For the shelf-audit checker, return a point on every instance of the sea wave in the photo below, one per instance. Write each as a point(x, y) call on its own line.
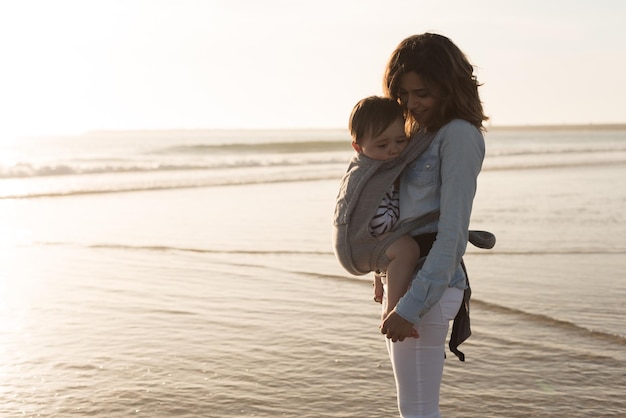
point(502, 161)
point(100, 182)
point(125, 162)
point(255, 148)
point(198, 250)
point(560, 150)
point(569, 251)
point(538, 318)
point(297, 147)
point(542, 319)
point(163, 248)
point(56, 188)
point(28, 170)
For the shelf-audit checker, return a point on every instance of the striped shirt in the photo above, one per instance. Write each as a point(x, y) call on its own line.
point(387, 213)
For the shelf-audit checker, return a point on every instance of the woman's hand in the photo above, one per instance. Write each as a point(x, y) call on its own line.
point(397, 328)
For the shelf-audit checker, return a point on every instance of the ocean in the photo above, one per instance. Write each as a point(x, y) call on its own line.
point(191, 274)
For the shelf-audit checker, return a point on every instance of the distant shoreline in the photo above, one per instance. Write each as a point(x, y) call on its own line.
point(589, 126)
point(198, 131)
point(563, 127)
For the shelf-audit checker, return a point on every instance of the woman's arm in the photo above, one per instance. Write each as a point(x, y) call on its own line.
point(461, 155)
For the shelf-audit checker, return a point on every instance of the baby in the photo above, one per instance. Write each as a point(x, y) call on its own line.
point(378, 132)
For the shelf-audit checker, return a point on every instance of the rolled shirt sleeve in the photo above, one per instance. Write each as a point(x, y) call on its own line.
point(462, 150)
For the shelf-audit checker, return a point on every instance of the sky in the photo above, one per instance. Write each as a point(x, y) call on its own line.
point(70, 66)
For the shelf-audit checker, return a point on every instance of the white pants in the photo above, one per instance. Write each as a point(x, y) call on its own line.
point(418, 362)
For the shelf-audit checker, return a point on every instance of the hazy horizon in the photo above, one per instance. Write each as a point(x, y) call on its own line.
point(600, 126)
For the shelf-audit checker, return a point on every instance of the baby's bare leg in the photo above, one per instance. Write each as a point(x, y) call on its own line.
point(404, 254)
point(378, 289)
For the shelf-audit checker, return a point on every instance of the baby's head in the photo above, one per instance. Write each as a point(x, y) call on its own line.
point(377, 128)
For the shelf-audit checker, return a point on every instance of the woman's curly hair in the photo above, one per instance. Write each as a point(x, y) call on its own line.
point(445, 70)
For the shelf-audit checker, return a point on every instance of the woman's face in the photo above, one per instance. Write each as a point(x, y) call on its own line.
point(418, 99)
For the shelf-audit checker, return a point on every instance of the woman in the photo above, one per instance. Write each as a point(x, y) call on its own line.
point(434, 82)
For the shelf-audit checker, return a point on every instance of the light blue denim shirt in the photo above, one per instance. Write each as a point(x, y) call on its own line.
point(443, 177)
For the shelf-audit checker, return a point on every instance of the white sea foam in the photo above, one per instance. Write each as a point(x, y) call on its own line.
point(126, 161)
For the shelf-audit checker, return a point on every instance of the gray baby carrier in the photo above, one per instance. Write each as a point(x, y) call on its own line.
point(361, 191)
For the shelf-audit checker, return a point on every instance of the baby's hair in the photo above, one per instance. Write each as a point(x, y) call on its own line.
point(373, 115)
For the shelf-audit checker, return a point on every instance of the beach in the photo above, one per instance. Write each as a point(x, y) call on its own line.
point(204, 293)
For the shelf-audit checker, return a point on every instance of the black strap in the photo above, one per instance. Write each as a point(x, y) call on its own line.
point(425, 242)
point(461, 329)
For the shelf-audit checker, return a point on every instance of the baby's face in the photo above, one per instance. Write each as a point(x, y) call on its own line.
point(389, 144)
